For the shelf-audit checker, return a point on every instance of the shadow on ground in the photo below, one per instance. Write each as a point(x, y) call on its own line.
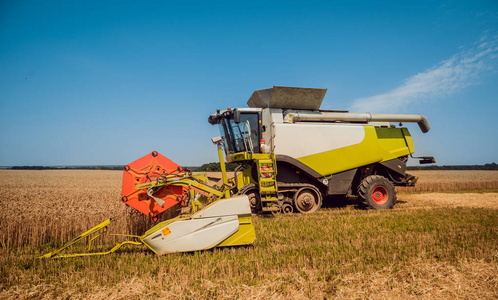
point(341, 202)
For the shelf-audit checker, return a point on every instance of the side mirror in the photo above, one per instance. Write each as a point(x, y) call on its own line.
point(426, 160)
point(236, 116)
point(217, 140)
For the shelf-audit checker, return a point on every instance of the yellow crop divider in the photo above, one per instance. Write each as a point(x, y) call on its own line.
point(91, 231)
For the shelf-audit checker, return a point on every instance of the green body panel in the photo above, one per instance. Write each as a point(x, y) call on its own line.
point(409, 140)
point(393, 140)
point(244, 236)
point(379, 144)
point(242, 156)
point(245, 178)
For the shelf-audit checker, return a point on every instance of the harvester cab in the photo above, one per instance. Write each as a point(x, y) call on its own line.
point(290, 156)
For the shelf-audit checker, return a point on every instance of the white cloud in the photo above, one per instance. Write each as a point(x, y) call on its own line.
point(446, 78)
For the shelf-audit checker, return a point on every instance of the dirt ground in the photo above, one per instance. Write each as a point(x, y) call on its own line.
point(432, 200)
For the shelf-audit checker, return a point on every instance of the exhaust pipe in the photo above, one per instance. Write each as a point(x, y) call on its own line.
point(292, 117)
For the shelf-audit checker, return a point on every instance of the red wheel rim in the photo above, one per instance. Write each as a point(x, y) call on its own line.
point(379, 195)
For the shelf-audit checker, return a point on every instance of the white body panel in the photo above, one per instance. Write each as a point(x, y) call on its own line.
point(206, 229)
point(232, 206)
point(299, 140)
point(192, 235)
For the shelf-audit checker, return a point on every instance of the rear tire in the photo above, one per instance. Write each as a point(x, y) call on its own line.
point(377, 192)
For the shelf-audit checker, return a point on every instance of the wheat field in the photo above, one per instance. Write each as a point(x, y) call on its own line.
point(440, 181)
point(440, 240)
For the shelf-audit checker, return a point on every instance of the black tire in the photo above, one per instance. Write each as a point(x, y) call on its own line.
point(307, 200)
point(377, 192)
point(255, 201)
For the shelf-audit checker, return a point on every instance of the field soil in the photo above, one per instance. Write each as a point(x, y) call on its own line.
point(439, 181)
point(440, 240)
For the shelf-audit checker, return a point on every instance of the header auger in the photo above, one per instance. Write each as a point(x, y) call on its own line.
point(291, 155)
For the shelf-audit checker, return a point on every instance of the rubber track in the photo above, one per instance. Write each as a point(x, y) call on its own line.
point(296, 186)
point(282, 187)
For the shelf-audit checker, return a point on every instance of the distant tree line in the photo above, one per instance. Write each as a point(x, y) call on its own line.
point(67, 168)
point(210, 167)
point(215, 167)
point(31, 168)
point(491, 166)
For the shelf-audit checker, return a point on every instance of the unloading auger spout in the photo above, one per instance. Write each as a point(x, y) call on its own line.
point(293, 117)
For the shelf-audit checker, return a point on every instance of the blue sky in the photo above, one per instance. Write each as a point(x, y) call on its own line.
point(106, 82)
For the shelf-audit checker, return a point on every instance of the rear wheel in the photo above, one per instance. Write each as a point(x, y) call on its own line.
point(377, 192)
point(307, 200)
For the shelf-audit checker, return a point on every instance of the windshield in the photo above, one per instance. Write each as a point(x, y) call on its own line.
point(233, 134)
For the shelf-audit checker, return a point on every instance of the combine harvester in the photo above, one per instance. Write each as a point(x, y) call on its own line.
point(290, 156)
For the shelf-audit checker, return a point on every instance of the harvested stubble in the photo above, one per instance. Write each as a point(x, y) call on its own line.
point(334, 253)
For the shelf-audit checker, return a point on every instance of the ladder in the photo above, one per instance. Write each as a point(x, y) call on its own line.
point(267, 181)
